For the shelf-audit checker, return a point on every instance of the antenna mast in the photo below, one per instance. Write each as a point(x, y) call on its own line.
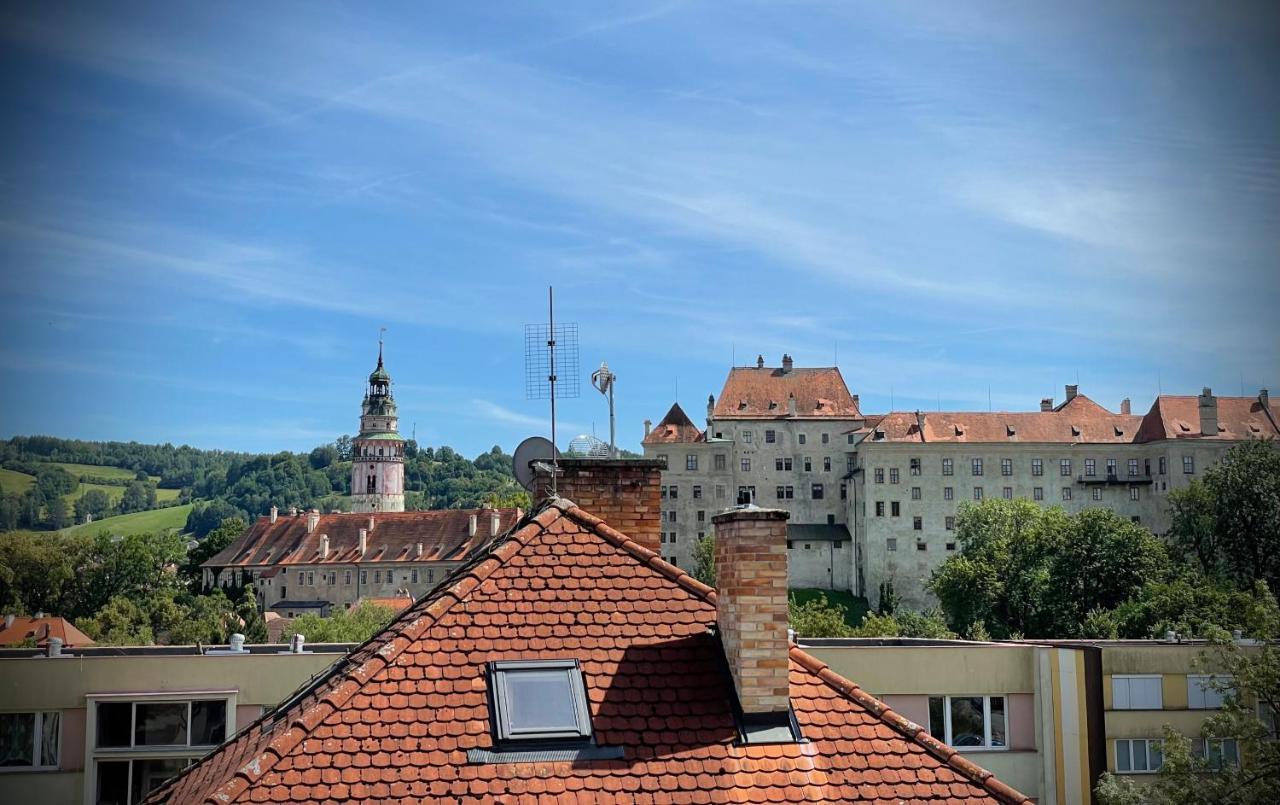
point(603, 379)
point(540, 376)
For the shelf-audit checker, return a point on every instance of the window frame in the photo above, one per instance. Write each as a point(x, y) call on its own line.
point(501, 698)
point(986, 721)
point(1206, 692)
point(1159, 679)
point(1149, 742)
point(37, 742)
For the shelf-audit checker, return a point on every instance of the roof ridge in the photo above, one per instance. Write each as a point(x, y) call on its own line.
point(345, 680)
point(646, 557)
point(913, 731)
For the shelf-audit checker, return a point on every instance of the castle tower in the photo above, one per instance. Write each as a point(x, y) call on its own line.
point(377, 454)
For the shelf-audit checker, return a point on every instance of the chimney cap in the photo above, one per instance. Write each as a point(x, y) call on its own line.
point(1208, 392)
point(750, 513)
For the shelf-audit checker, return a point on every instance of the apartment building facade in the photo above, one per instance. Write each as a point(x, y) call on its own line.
point(874, 497)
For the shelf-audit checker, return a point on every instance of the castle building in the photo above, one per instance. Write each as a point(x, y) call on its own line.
point(377, 453)
point(874, 497)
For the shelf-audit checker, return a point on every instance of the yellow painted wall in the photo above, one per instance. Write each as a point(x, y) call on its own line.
point(1174, 690)
point(1151, 723)
point(887, 670)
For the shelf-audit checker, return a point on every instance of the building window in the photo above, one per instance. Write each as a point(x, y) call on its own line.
point(1136, 693)
point(917, 524)
point(1203, 693)
point(948, 493)
point(1164, 465)
point(895, 508)
point(431, 576)
point(538, 700)
point(702, 516)
point(746, 465)
point(915, 466)
point(347, 578)
point(800, 438)
point(1064, 467)
point(697, 492)
point(1097, 493)
point(808, 464)
point(719, 461)
point(720, 491)
point(950, 523)
point(1133, 467)
point(816, 491)
point(825, 438)
point(891, 544)
point(948, 466)
point(1111, 468)
point(893, 475)
point(748, 491)
point(1188, 464)
point(1006, 466)
point(671, 518)
point(977, 493)
point(746, 437)
point(1138, 755)
point(1037, 493)
point(302, 578)
point(770, 436)
point(1219, 753)
point(969, 722)
point(413, 576)
point(675, 491)
point(951, 546)
point(311, 578)
point(879, 475)
point(1007, 492)
point(1037, 466)
point(29, 740)
point(976, 466)
point(1134, 493)
point(777, 465)
point(921, 545)
point(1066, 493)
point(138, 744)
point(662, 492)
point(1090, 467)
point(826, 463)
point(691, 461)
point(850, 437)
point(915, 493)
point(377, 574)
point(879, 508)
point(844, 491)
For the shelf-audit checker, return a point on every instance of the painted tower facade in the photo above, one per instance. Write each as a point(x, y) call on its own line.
point(377, 454)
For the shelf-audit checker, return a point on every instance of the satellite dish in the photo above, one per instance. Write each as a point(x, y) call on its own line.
point(535, 448)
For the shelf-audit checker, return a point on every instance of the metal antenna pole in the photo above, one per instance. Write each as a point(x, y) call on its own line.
point(551, 347)
point(613, 440)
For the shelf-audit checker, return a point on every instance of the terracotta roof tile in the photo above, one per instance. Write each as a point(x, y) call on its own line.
point(675, 428)
point(1178, 417)
point(40, 630)
point(396, 717)
point(764, 393)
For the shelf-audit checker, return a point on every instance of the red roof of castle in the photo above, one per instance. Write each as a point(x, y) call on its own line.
point(395, 719)
point(444, 535)
point(1178, 417)
point(763, 393)
point(675, 428)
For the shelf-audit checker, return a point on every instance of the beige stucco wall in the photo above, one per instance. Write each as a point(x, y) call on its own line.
point(978, 669)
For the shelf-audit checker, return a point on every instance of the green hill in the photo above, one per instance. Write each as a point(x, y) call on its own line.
point(15, 483)
point(138, 522)
point(93, 469)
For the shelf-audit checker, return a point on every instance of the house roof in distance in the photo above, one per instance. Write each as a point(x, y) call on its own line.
point(763, 392)
point(396, 718)
point(40, 630)
point(1178, 417)
point(675, 428)
point(444, 534)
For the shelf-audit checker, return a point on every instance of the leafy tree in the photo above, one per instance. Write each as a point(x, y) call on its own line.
point(205, 517)
point(34, 569)
point(1188, 779)
point(94, 502)
point(704, 560)
point(354, 625)
point(1245, 490)
point(58, 517)
point(929, 624)
point(222, 536)
point(1039, 572)
point(888, 598)
point(1191, 529)
point(120, 623)
point(138, 496)
point(818, 618)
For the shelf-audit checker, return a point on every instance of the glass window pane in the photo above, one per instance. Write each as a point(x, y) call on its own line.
point(540, 701)
point(160, 724)
point(17, 739)
point(114, 723)
point(150, 774)
point(1157, 759)
point(966, 721)
point(1230, 752)
point(997, 721)
point(49, 735)
point(209, 722)
point(1140, 756)
point(113, 782)
point(937, 725)
point(1122, 755)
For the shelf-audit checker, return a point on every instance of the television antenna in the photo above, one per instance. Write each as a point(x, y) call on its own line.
point(549, 349)
point(603, 380)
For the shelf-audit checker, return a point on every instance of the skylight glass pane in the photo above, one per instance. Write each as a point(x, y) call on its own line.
point(541, 701)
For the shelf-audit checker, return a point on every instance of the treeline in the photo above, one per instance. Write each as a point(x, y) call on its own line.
point(177, 467)
point(44, 504)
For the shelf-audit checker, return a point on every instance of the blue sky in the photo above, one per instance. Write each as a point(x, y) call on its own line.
point(208, 210)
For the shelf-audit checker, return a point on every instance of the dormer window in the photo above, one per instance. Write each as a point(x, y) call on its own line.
point(1075, 430)
point(1119, 431)
point(1010, 431)
point(742, 405)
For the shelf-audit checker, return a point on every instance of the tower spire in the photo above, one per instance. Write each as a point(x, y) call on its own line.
point(381, 330)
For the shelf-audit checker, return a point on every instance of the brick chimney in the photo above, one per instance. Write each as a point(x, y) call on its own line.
point(751, 606)
point(786, 363)
point(313, 520)
point(711, 408)
point(1124, 406)
point(1046, 404)
point(648, 426)
point(759, 361)
point(1264, 398)
point(1072, 391)
point(621, 491)
point(1208, 413)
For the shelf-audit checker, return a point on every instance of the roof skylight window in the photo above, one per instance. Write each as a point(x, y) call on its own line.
point(539, 700)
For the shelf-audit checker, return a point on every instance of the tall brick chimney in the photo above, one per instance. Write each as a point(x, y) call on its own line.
point(1072, 391)
point(759, 361)
point(648, 426)
point(621, 491)
point(1264, 398)
point(1208, 413)
point(1046, 404)
point(751, 607)
point(1125, 406)
point(786, 363)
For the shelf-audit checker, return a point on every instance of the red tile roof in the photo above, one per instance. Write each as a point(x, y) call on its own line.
point(395, 719)
point(1178, 417)
point(394, 603)
point(41, 629)
point(675, 428)
point(394, 538)
point(1079, 420)
point(763, 393)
